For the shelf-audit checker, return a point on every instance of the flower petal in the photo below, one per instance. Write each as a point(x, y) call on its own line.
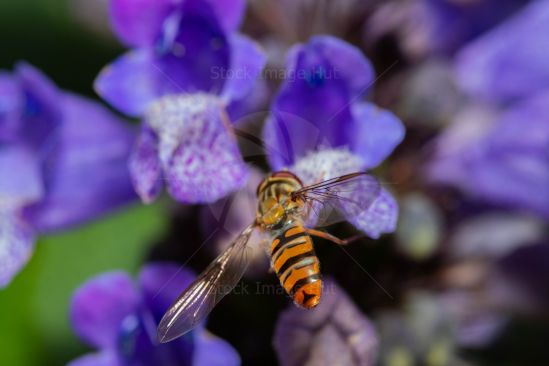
point(380, 218)
point(21, 181)
point(333, 333)
point(247, 62)
point(475, 321)
point(500, 159)
point(16, 246)
point(144, 165)
point(192, 51)
point(132, 81)
point(349, 64)
point(326, 164)
point(11, 105)
point(104, 358)
point(213, 351)
point(192, 46)
point(138, 343)
point(255, 102)
point(494, 235)
point(99, 306)
point(450, 24)
point(198, 175)
point(311, 110)
point(512, 168)
point(88, 175)
point(42, 117)
point(454, 148)
point(376, 134)
point(517, 180)
point(161, 284)
point(139, 22)
point(200, 157)
point(229, 12)
point(510, 61)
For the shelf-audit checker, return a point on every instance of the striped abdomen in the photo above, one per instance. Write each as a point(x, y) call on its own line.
point(295, 262)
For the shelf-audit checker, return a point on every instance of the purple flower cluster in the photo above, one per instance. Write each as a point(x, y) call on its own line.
point(189, 77)
point(319, 128)
point(186, 138)
point(111, 313)
point(216, 111)
point(62, 162)
point(496, 150)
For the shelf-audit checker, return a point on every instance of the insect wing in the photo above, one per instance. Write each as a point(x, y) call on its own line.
point(339, 199)
point(217, 280)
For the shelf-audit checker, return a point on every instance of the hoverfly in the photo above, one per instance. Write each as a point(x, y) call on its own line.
point(285, 211)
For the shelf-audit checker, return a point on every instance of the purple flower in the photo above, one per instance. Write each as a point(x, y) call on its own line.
point(453, 23)
point(333, 333)
point(319, 125)
point(436, 27)
point(499, 157)
point(188, 75)
point(62, 162)
point(494, 235)
point(474, 314)
point(509, 62)
point(119, 318)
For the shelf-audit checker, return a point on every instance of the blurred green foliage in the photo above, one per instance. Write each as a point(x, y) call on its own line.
point(46, 34)
point(34, 325)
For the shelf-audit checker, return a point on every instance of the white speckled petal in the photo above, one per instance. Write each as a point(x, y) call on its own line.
point(197, 150)
point(16, 246)
point(144, 166)
point(326, 164)
point(20, 176)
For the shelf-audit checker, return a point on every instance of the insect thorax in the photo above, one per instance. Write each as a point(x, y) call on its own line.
point(275, 205)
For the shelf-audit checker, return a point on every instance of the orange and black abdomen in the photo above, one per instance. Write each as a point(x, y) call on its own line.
point(295, 262)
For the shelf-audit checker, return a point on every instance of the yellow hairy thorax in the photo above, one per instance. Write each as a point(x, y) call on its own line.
point(273, 212)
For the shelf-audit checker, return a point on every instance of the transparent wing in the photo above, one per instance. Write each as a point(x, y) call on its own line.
point(217, 280)
point(338, 199)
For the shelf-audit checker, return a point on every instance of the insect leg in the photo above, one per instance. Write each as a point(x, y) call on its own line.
point(332, 238)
